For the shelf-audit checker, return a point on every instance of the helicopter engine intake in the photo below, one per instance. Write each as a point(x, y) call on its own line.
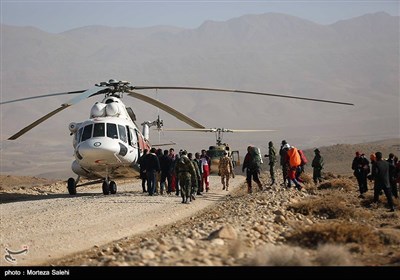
point(98, 110)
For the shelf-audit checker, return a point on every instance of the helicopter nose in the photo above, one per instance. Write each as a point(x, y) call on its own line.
point(99, 151)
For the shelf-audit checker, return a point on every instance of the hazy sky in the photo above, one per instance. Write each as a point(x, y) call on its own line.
point(57, 16)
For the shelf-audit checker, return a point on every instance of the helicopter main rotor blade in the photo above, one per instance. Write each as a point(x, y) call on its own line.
point(244, 91)
point(37, 122)
point(42, 96)
point(166, 108)
point(87, 93)
point(219, 130)
point(251, 130)
point(190, 129)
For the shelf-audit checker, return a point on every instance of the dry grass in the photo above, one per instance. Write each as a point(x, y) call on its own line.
point(283, 255)
point(327, 207)
point(272, 255)
point(334, 232)
point(307, 178)
point(339, 183)
point(329, 176)
point(333, 255)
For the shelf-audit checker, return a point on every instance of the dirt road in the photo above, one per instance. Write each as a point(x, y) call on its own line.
point(57, 224)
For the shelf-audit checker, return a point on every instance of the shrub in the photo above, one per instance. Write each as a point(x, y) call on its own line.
point(329, 207)
point(333, 255)
point(333, 232)
point(272, 255)
point(340, 183)
point(307, 178)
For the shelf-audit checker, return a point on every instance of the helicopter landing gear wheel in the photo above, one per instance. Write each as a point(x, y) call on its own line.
point(71, 186)
point(106, 187)
point(113, 187)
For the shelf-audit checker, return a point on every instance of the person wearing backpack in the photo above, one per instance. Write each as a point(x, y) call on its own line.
point(252, 164)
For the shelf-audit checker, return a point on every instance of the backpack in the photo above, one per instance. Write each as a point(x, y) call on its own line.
point(294, 157)
point(303, 158)
point(256, 159)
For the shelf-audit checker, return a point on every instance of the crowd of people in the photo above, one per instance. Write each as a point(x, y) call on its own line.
point(292, 161)
point(385, 175)
point(166, 172)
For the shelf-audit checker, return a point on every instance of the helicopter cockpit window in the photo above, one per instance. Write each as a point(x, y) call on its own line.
point(215, 153)
point(122, 132)
point(99, 130)
point(87, 132)
point(112, 130)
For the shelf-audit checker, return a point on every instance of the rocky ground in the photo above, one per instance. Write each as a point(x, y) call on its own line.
point(329, 225)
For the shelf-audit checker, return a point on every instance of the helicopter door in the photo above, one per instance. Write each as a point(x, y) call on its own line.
point(235, 158)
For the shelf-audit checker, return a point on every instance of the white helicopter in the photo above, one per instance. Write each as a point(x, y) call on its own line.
point(109, 144)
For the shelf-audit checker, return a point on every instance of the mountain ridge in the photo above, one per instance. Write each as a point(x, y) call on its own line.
point(321, 61)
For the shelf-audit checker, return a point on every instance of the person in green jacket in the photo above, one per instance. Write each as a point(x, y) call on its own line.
point(272, 160)
point(317, 165)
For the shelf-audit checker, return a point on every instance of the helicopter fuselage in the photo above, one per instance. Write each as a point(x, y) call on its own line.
point(109, 144)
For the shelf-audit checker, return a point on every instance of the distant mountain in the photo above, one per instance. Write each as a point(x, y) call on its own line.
point(355, 60)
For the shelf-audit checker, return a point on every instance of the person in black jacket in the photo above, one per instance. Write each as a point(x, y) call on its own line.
point(380, 172)
point(252, 167)
point(152, 166)
point(360, 165)
point(143, 175)
point(392, 175)
point(166, 166)
point(282, 154)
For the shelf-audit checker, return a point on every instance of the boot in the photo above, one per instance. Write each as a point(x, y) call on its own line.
point(249, 190)
point(273, 182)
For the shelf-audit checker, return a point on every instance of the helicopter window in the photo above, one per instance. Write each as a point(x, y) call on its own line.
point(112, 131)
point(215, 153)
point(87, 132)
point(79, 134)
point(99, 130)
point(130, 136)
point(122, 132)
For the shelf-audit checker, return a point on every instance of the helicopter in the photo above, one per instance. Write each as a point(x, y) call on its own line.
point(215, 152)
point(109, 144)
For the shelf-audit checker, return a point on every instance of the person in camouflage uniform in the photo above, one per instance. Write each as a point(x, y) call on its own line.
point(272, 160)
point(196, 178)
point(184, 171)
point(225, 170)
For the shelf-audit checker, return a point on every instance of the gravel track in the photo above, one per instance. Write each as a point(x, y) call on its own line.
point(57, 224)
